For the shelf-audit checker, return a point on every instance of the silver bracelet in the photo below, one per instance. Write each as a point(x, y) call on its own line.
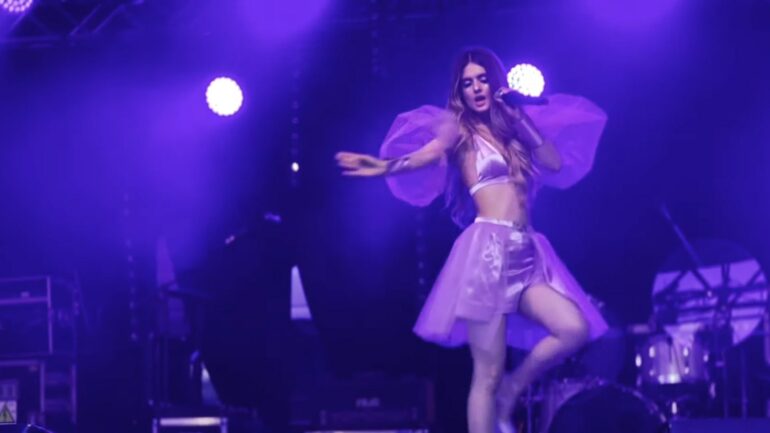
point(398, 164)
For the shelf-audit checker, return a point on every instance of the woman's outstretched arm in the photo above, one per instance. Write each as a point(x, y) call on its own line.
point(359, 164)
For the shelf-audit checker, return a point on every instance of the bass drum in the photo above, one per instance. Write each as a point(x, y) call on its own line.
point(608, 408)
point(556, 392)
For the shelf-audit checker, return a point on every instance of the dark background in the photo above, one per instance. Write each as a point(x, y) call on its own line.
point(107, 146)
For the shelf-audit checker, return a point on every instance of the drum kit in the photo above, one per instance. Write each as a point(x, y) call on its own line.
point(708, 297)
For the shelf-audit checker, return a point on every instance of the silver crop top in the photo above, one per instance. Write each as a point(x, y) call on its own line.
point(491, 166)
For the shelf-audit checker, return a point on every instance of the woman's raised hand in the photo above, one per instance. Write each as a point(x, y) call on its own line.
point(360, 164)
point(515, 112)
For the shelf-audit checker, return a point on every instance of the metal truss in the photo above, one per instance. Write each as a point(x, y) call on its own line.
point(353, 12)
point(52, 22)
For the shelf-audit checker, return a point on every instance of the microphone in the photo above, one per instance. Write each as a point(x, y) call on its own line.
point(516, 99)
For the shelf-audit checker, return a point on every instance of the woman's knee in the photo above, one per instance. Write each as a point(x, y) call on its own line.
point(556, 312)
point(575, 332)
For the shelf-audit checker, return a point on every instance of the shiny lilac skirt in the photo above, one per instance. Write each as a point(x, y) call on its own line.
point(492, 263)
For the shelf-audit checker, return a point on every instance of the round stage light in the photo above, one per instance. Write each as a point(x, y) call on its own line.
point(526, 79)
point(16, 6)
point(224, 96)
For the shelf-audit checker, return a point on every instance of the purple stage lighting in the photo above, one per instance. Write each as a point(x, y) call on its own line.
point(526, 79)
point(274, 21)
point(630, 15)
point(224, 96)
point(16, 6)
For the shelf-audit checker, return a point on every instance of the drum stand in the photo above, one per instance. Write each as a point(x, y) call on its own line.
point(716, 335)
point(718, 331)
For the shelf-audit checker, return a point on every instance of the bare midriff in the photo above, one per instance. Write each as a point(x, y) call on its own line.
point(504, 201)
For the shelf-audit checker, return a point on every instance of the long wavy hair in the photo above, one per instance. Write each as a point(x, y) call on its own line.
point(500, 124)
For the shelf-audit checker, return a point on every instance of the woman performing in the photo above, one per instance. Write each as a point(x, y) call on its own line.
point(502, 283)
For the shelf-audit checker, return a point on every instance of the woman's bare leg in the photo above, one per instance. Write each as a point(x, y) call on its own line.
point(567, 329)
point(488, 368)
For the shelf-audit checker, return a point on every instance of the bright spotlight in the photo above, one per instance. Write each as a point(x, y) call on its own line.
point(224, 96)
point(526, 79)
point(16, 6)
